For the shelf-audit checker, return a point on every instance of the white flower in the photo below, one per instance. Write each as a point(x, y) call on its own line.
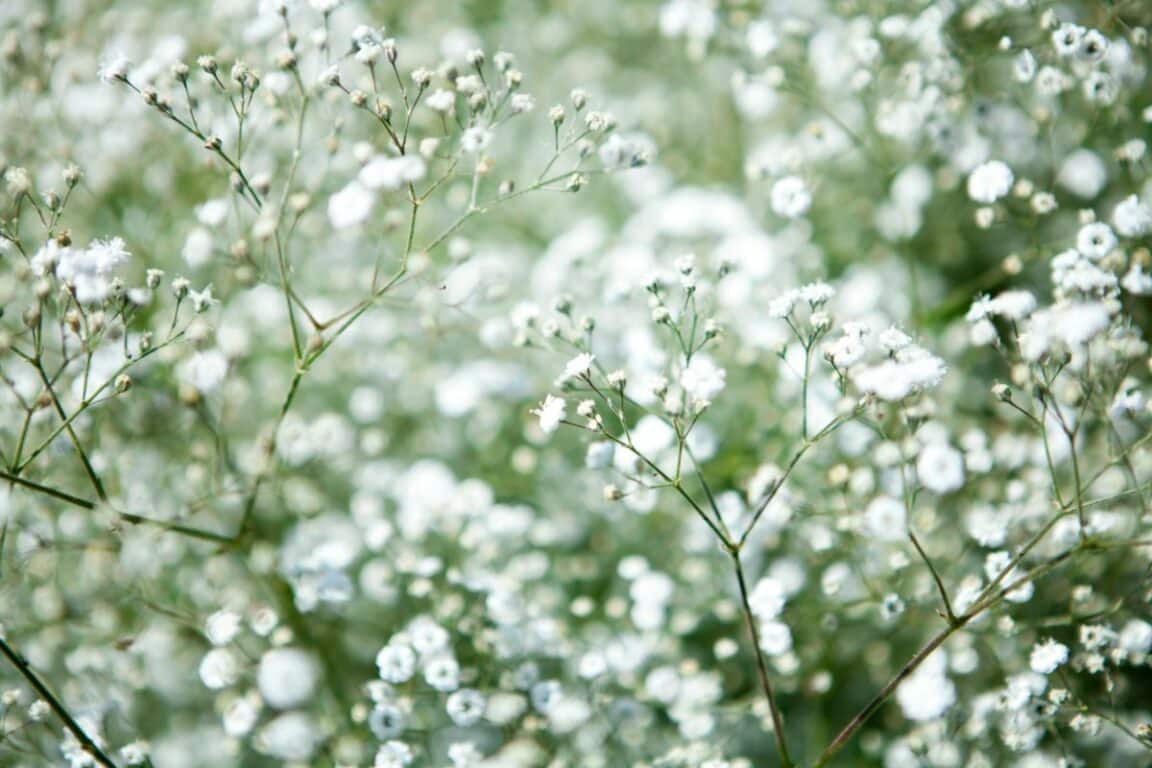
point(393, 754)
point(767, 599)
point(695, 19)
point(350, 206)
point(392, 173)
point(465, 707)
point(1083, 174)
point(292, 736)
point(600, 455)
point(850, 348)
point(790, 197)
point(442, 673)
point(286, 677)
point(579, 365)
point(885, 518)
point(894, 339)
point(201, 300)
point(940, 468)
point(1135, 637)
point(702, 379)
point(521, 103)
point(913, 370)
point(1136, 281)
point(219, 668)
point(114, 68)
point(386, 721)
point(1095, 241)
point(1024, 66)
point(89, 271)
point(197, 247)
point(1066, 39)
point(211, 213)
point(762, 38)
point(222, 627)
point(440, 100)
point(817, 294)
point(989, 182)
point(1093, 47)
point(1069, 326)
point(927, 693)
point(1132, 218)
point(551, 413)
point(1047, 656)
point(1014, 305)
point(782, 306)
point(465, 754)
point(475, 139)
point(397, 663)
point(775, 638)
point(205, 370)
point(135, 753)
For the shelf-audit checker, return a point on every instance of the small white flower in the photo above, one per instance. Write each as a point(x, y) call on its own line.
point(466, 707)
point(579, 365)
point(350, 206)
point(114, 68)
point(201, 300)
point(767, 599)
point(1132, 218)
point(1095, 241)
point(790, 197)
point(894, 339)
point(551, 413)
point(885, 518)
point(442, 673)
point(222, 627)
point(521, 103)
point(1066, 39)
point(396, 663)
point(940, 468)
point(440, 100)
point(392, 173)
point(989, 182)
point(475, 139)
point(702, 379)
point(1047, 656)
point(393, 754)
point(286, 677)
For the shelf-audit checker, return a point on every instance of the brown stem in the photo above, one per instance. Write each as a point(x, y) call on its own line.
point(761, 667)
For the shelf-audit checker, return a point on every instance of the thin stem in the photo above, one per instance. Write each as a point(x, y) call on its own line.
point(48, 490)
point(54, 703)
point(948, 613)
point(761, 666)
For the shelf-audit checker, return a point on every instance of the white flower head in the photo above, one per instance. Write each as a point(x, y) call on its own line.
point(990, 182)
point(702, 379)
point(1047, 656)
point(350, 206)
point(791, 197)
point(579, 365)
point(551, 413)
